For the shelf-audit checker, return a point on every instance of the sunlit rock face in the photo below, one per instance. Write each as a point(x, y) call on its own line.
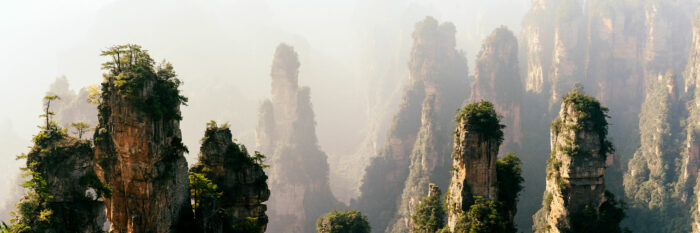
point(140, 154)
point(300, 191)
point(569, 44)
point(418, 144)
point(536, 38)
point(576, 169)
point(497, 79)
point(474, 170)
point(242, 183)
point(68, 167)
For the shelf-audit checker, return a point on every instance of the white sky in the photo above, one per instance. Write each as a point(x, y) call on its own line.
point(222, 50)
point(41, 40)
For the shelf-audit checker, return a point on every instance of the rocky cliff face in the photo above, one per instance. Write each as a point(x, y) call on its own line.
point(283, 88)
point(474, 163)
point(497, 79)
point(668, 30)
point(692, 69)
point(299, 169)
point(691, 160)
point(265, 133)
point(536, 34)
point(387, 172)
point(576, 169)
point(612, 48)
point(569, 41)
point(138, 145)
point(658, 184)
point(417, 144)
point(654, 207)
point(66, 164)
point(240, 180)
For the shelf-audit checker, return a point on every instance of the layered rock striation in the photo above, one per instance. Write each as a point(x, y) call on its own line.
point(65, 191)
point(576, 168)
point(497, 79)
point(653, 169)
point(536, 34)
point(689, 185)
point(415, 153)
point(476, 141)
point(240, 181)
point(138, 144)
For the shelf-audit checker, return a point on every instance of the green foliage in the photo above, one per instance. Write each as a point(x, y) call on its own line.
point(13, 228)
point(200, 187)
point(482, 118)
point(80, 128)
point(47, 110)
point(349, 221)
point(553, 163)
point(259, 159)
point(94, 94)
point(556, 126)
point(510, 183)
point(483, 217)
point(131, 70)
point(249, 225)
point(237, 151)
point(548, 201)
point(429, 215)
point(33, 214)
point(36, 183)
point(606, 219)
point(591, 116)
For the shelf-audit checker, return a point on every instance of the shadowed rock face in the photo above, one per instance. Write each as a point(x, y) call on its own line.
point(576, 169)
point(70, 176)
point(139, 153)
point(242, 183)
point(569, 44)
point(691, 162)
point(497, 79)
point(418, 143)
point(474, 170)
point(614, 48)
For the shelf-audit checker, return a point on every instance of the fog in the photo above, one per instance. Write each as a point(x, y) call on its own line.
point(353, 55)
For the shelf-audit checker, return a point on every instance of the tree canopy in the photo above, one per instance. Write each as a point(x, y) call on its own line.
point(429, 214)
point(483, 119)
point(131, 71)
point(349, 221)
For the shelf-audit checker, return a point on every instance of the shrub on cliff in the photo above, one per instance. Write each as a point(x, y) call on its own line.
point(352, 221)
point(510, 183)
point(606, 219)
point(429, 215)
point(483, 217)
point(131, 70)
point(482, 118)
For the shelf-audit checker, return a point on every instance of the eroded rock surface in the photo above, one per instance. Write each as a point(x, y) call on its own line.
point(138, 145)
point(240, 180)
